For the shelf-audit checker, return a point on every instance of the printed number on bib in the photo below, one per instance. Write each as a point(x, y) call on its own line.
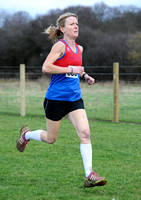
point(70, 75)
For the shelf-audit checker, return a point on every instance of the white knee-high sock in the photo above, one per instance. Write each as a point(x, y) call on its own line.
point(86, 153)
point(33, 135)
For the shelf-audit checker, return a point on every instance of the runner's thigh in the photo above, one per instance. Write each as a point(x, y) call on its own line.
point(79, 121)
point(53, 128)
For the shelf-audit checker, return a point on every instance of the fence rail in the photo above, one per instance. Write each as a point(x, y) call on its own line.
point(108, 99)
point(101, 73)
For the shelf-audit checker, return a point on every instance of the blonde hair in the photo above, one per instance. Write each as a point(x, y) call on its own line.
point(54, 32)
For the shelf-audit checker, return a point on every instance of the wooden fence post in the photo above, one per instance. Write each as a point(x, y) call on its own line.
point(116, 90)
point(22, 88)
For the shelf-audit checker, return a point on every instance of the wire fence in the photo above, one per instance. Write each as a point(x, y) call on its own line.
point(98, 98)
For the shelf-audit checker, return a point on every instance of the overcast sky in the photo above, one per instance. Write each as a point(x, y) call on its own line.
point(35, 7)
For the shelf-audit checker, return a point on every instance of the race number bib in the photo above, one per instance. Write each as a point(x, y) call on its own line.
point(70, 75)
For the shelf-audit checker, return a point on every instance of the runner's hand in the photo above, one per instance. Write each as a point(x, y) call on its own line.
point(89, 79)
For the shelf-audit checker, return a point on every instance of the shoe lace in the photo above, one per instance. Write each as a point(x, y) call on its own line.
point(94, 173)
point(93, 176)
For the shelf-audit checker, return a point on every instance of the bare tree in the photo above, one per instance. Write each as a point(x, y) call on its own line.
point(104, 34)
point(134, 45)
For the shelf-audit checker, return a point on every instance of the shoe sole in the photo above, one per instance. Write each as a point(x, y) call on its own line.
point(23, 127)
point(19, 147)
point(101, 182)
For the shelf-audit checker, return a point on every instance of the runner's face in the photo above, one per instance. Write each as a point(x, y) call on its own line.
point(71, 28)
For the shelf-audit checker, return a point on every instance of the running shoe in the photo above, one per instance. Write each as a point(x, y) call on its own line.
point(94, 180)
point(21, 141)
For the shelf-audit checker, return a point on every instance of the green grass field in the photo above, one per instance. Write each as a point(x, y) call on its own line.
point(52, 172)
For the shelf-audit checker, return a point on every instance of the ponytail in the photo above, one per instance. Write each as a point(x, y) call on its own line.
point(54, 33)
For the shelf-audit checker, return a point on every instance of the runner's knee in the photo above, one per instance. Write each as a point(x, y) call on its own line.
point(51, 140)
point(85, 134)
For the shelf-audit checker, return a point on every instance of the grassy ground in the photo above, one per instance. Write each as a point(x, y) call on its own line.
point(52, 172)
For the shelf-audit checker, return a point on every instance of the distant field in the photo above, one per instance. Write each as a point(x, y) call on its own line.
point(98, 99)
point(53, 172)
